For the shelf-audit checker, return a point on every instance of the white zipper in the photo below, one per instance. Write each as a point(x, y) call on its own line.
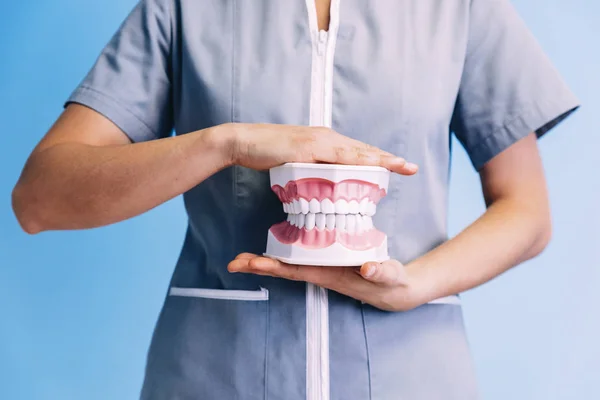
point(317, 307)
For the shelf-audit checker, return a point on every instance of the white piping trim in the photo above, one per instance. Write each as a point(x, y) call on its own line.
point(220, 294)
point(455, 300)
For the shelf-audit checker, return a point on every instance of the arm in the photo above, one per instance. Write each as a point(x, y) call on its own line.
point(86, 173)
point(515, 228)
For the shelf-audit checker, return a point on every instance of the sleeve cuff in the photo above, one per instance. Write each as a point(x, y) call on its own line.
point(132, 125)
point(539, 118)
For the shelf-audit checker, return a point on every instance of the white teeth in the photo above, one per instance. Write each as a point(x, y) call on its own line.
point(367, 223)
point(296, 206)
point(330, 221)
point(340, 221)
point(310, 221)
point(303, 206)
point(364, 203)
point(353, 207)
point(314, 206)
point(359, 223)
point(327, 207)
point(301, 219)
point(350, 216)
point(320, 221)
point(341, 207)
point(371, 209)
point(351, 223)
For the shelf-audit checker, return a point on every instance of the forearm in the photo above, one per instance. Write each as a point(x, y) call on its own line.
point(76, 186)
point(508, 233)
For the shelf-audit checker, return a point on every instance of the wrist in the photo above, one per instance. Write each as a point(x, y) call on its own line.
point(422, 286)
point(224, 140)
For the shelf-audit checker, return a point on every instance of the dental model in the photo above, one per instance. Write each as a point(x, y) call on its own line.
point(330, 209)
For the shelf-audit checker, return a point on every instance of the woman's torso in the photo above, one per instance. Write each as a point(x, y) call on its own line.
point(393, 84)
point(395, 81)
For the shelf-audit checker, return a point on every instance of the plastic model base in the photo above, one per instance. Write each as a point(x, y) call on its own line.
point(333, 256)
point(330, 209)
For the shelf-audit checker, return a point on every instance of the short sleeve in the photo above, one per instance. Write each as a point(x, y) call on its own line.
point(509, 88)
point(130, 82)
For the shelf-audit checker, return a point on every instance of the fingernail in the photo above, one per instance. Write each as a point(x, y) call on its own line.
point(232, 269)
point(411, 166)
point(370, 270)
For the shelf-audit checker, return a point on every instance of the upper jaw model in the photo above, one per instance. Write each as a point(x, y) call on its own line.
point(329, 211)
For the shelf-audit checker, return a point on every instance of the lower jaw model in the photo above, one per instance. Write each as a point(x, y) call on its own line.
point(330, 209)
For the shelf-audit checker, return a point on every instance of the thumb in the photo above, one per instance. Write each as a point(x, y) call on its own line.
point(388, 273)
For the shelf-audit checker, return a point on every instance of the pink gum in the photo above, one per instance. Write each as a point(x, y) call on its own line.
point(316, 239)
point(317, 188)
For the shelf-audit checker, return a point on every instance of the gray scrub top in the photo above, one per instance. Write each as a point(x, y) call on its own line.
point(400, 75)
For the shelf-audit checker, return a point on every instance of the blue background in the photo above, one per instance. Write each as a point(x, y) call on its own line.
point(77, 309)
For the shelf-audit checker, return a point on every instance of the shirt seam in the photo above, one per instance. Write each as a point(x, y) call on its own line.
point(362, 312)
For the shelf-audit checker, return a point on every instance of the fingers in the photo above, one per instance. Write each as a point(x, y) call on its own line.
point(278, 269)
point(387, 273)
point(248, 263)
point(245, 256)
point(334, 148)
point(399, 165)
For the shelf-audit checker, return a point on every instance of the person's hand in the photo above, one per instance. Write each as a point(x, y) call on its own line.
point(385, 285)
point(263, 146)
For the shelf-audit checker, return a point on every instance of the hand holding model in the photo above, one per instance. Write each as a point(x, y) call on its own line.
point(65, 180)
point(329, 211)
point(388, 285)
point(264, 146)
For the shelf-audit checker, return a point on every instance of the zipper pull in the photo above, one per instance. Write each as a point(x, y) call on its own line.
point(321, 42)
